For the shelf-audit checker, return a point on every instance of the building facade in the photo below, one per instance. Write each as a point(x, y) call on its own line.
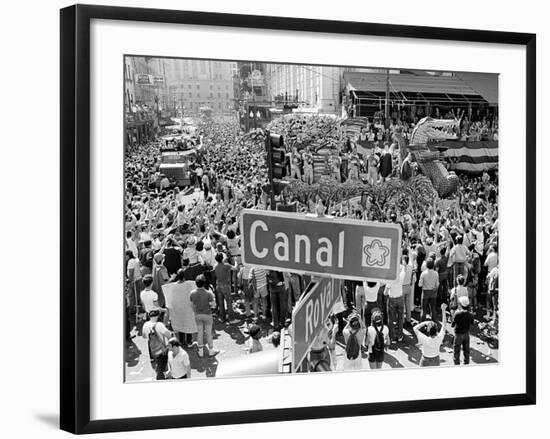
point(192, 84)
point(147, 93)
point(312, 87)
point(315, 88)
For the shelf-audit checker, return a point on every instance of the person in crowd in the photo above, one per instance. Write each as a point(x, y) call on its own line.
point(203, 301)
point(492, 296)
point(386, 162)
point(148, 297)
point(459, 256)
point(279, 298)
point(377, 340)
point(460, 290)
point(157, 336)
point(491, 261)
point(180, 308)
point(408, 283)
point(429, 282)
point(223, 276)
point(360, 300)
point(254, 343)
point(371, 295)
point(172, 256)
point(440, 267)
point(396, 305)
point(258, 279)
point(135, 285)
point(179, 365)
point(372, 164)
point(146, 257)
point(322, 356)
point(247, 288)
point(308, 167)
point(462, 320)
point(354, 334)
point(295, 165)
point(160, 277)
point(430, 342)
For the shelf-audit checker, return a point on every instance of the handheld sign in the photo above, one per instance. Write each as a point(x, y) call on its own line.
point(331, 247)
point(310, 314)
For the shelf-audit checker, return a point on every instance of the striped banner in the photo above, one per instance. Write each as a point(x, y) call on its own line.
point(472, 156)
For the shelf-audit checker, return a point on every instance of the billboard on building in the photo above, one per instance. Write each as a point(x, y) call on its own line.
point(144, 79)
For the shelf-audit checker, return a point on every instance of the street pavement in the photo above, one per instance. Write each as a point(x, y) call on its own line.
point(231, 340)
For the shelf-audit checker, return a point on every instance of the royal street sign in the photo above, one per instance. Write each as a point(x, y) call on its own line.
point(325, 246)
point(310, 314)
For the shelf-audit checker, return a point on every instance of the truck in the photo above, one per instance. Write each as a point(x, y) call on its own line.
point(178, 166)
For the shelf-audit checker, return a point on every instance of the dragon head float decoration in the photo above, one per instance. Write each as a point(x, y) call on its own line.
point(426, 131)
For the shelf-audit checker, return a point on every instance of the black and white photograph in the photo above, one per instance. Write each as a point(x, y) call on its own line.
point(295, 218)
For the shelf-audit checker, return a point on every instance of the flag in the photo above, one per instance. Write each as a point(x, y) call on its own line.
point(472, 156)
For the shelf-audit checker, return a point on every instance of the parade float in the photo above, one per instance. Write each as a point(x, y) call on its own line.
point(427, 132)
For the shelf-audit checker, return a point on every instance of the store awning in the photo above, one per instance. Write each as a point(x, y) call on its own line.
point(485, 84)
point(422, 87)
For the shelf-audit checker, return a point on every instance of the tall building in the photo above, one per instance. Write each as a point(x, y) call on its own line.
point(195, 83)
point(129, 87)
point(312, 87)
point(149, 80)
point(316, 88)
point(144, 97)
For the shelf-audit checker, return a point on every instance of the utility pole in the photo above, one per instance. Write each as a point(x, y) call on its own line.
point(387, 104)
point(270, 168)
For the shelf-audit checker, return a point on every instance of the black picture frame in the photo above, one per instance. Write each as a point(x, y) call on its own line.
point(75, 217)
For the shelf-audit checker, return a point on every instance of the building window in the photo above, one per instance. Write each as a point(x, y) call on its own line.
point(198, 95)
point(198, 86)
point(190, 95)
point(210, 86)
point(189, 86)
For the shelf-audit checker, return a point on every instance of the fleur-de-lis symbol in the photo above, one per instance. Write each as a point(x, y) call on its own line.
point(376, 253)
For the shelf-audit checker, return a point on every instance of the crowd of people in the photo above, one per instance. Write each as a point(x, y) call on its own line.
point(184, 268)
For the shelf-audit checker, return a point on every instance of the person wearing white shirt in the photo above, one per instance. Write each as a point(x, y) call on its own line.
point(480, 240)
point(396, 306)
point(371, 296)
point(459, 291)
point(149, 298)
point(492, 259)
point(179, 365)
point(145, 236)
point(430, 344)
point(135, 286)
point(207, 253)
point(131, 244)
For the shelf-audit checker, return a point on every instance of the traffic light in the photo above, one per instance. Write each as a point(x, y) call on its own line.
point(276, 155)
